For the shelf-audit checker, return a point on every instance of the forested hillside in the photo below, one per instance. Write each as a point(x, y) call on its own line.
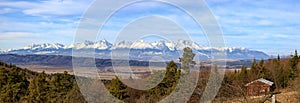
point(284, 72)
point(22, 85)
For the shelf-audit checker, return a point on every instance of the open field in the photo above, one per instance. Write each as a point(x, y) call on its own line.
point(106, 73)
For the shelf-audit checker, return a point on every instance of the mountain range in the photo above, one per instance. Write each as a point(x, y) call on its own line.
point(138, 50)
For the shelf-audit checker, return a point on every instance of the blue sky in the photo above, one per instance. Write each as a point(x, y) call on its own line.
point(271, 26)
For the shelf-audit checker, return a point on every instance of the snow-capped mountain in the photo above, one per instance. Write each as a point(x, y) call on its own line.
point(140, 50)
point(163, 45)
point(181, 44)
point(43, 46)
point(122, 45)
point(100, 45)
point(140, 44)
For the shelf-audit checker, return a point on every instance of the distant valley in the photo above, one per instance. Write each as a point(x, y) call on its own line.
point(59, 61)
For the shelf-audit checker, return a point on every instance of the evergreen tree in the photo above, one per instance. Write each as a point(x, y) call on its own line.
point(254, 71)
point(42, 88)
point(187, 59)
point(293, 65)
point(172, 74)
point(243, 75)
point(279, 74)
point(283, 78)
point(296, 54)
point(118, 89)
point(3, 77)
point(39, 88)
point(15, 87)
point(263, 71)
point(59, 86)
point(167, 85)
point(74, 95)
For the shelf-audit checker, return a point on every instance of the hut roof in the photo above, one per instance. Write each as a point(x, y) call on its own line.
point(261, 80)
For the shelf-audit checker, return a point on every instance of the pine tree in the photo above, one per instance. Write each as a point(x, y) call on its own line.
point(167, 85)
point(59, 86)
point(74, 95)
point(118, 89)
point(293, 65)
point(254, 70)
point(3, 77)
point(187, 59)
point(15, 87)
point(243, 75)
point(296, 54)
point(279, 74)
point(172, 75)
point(283, 78)
point(38, 89)
point(263, 71)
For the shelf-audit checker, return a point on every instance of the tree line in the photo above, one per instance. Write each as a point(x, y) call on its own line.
point(284, 72)
point(23, 85)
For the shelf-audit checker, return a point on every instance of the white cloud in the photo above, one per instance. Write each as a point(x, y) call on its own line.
point(50, 7)
point(281, 35)
point(13, 35)
point(247, 23)
point(264, 23)
point(5, 10)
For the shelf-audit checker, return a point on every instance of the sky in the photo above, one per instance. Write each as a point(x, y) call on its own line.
point(271, 26)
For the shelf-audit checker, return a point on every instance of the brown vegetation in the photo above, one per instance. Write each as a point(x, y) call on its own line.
point(61, 87)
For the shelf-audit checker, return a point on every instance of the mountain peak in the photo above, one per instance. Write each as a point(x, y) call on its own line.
point(103, 40)
point(44, 46)
point(141, 48)
point(88, 42)
point(181, 44)
point(141, 44)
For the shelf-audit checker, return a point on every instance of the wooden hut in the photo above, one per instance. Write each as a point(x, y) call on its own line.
point(259, 87)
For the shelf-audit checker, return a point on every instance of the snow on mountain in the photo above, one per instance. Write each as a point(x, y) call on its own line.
point(43, 46)
point(141, 49)
point(140, 44)
point(6, 51)
point(122, 45)
point(85, 45)
point(181, 44)
point(232, 49)
point(159, 45)
point(163, 45)
point(100, 45)
point(170, 45)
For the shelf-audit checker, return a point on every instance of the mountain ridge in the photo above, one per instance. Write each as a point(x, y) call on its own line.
point(140, 50)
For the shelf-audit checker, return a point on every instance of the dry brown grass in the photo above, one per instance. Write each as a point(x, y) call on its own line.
point(106, 73)
point(286, 96)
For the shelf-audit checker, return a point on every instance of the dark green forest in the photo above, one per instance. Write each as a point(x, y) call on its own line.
point(18, 85)
point(23, 85)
